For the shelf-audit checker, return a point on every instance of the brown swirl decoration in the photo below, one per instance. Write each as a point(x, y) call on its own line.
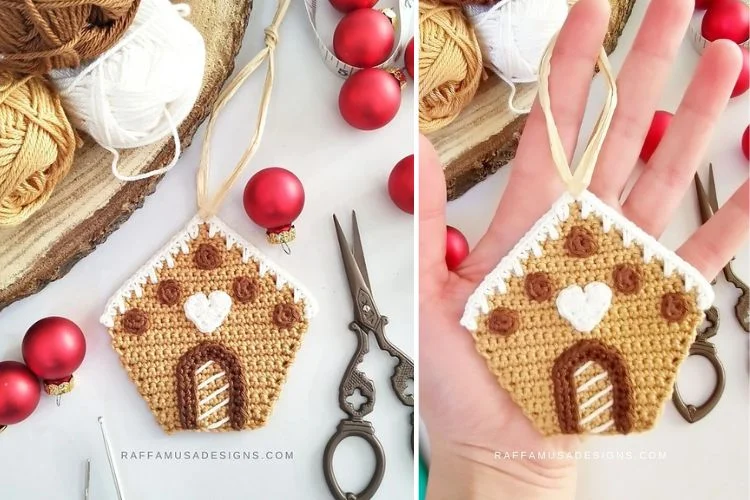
point(566, 396)
point(580, 242)
point(627, 278)
point(169, 292)
point(674, 307)
point(539, 286)
point(187, 400)
point(286, 315)
point(503, 321)
point(207, 257)
point(135, 321)
point(245, 289)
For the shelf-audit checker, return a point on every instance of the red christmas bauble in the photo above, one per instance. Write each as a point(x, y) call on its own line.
point(746, 143)
point(743, 82)
point(656, 131)
point(703, 4)
point(409, 57)
point(370, 98)
point(401, 184)
point(350, 5)
point(364, 38)
point(456, 248)
point(274, 198)
point(53, 348)
point(19, 392)
point(728, 19)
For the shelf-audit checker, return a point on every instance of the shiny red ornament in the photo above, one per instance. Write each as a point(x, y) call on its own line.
point(743, 82)
point(401, 184)
point(273, 199)
point(703, 4)
point(729, 19)
point(456, 248)
point(369, 99)
point(364, 38)
point(19, 392)
point(53, 348)
point(656, 131)
point(746, 143)
point(350, 5)
point(409, 57)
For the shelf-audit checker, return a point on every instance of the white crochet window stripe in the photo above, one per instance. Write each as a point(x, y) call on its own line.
point(180, 244)
point(547, 227)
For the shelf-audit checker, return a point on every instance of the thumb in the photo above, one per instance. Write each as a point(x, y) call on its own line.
point(432, 200)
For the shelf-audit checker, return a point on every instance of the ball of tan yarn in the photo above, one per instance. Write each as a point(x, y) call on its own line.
point(40, 35)
point(36, 145)
point(450, 64)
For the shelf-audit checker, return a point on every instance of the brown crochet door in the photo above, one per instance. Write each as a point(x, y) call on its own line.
point(210, 389)
point(592, 389)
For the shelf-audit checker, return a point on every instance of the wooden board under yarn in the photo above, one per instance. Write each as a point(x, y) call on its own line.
point(485, 135)
point(90, 203)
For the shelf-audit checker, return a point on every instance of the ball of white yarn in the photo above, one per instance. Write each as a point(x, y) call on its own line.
point(513, 35)
point(137, 92)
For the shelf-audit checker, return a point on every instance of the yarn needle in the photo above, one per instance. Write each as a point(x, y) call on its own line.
point(110, 459)
point(87, 484)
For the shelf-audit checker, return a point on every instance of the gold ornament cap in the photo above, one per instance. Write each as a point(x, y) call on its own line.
point(59, 387)
point(286, 235)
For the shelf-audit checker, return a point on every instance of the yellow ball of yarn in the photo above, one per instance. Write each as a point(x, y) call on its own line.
point(37, 144)
point(450, 64)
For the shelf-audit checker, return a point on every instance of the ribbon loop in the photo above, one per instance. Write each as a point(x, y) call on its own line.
point(579, 181)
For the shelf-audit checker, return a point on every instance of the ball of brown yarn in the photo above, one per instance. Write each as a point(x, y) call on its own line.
point(40, 35)
point(36, 145)
point(450, 64)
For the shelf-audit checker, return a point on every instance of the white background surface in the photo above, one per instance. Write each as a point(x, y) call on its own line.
point(708, 459)
point(341, 169)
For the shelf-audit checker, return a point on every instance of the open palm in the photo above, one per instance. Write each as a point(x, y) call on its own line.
point(466, 413)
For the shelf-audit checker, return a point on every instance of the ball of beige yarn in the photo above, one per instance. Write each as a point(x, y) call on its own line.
point(450, 64)
point(37, 144)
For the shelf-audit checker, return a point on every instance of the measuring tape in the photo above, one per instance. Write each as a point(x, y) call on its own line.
point(404, 30)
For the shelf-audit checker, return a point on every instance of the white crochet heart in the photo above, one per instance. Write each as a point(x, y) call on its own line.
point(208, 313)
point(584, 308)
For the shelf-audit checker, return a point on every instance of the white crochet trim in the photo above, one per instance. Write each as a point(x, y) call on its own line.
point(548, 226)
point(180, 244)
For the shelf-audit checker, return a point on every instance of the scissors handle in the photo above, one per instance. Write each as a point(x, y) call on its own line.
point(693, 413)
point(742, 308)
point(403, 373)
point(355, 380)
point(364, 430)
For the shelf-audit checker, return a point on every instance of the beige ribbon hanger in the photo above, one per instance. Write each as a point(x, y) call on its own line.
point(577, 182)
point(208, 205)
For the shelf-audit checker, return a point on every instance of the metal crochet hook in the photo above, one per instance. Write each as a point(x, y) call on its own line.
point(367, 320)
point(111, 459)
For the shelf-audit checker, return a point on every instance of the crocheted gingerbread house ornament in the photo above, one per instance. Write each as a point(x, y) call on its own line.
point(208, 329)
point(586, 320)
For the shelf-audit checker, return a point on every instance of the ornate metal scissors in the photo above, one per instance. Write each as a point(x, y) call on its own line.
point(367, 320)
point(702, 346)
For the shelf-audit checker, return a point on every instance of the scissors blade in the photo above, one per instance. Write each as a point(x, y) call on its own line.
point(353, 274)
point(359, 254)
point(712, 189)
point(703, 203)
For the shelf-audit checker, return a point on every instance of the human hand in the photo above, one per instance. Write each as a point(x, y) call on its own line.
point(468, 415)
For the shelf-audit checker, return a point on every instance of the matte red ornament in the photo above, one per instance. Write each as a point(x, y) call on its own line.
point(743, 82)
point(369, 99)
point(456, 248)
point(53, 348)
point(19, 392)
point(729, 19)
point(273, 199)
point(350, 5)
point(409, 57)
point(401, 184)
point(746, 143)
point(703, 4)
point(656, 131)
point(364, 38)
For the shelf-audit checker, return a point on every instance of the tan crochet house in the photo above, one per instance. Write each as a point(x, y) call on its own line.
point(207, 330)
point(587, 320)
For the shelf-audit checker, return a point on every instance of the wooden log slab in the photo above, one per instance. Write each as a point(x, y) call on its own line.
point(485, 135)
point(89, 204)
